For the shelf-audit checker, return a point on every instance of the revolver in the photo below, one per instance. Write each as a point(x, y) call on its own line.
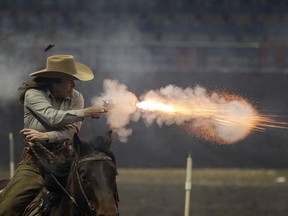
point(109, 104)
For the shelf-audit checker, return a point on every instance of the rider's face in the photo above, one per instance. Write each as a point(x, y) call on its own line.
point(64, 88)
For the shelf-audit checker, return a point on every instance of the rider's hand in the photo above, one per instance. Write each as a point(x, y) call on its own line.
point(34, 135)
point(95, 111)
point(100, 112)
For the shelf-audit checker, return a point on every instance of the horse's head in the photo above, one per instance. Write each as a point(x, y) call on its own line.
point(93, 177)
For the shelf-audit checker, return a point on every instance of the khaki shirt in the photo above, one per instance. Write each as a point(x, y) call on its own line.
point(42, 113)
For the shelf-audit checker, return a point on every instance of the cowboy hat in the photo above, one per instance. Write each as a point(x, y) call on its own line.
point(65, 66)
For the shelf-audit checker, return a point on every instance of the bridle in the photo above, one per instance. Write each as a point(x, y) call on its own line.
point(94, 158)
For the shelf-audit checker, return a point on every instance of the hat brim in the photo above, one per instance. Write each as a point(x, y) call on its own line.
point(84, 73)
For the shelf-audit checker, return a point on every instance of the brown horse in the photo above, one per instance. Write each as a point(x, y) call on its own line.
point(91, 185)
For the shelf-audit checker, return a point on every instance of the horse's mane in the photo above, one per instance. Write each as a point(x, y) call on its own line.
point(60, 171)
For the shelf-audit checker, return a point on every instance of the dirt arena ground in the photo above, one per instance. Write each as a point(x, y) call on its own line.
point(215, 192)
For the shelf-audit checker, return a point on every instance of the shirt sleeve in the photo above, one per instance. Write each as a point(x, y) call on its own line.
point(37, 102)
point(65, 134)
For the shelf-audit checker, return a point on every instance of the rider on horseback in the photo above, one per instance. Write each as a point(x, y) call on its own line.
point(53, 113)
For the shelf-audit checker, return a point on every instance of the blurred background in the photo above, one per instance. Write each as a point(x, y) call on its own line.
point(236, 46)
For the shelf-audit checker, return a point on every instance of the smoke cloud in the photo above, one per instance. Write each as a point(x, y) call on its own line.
point(121, 110)
point(218, 117)
point(13, 70)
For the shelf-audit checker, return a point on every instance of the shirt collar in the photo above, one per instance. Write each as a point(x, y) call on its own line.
point(49, 94)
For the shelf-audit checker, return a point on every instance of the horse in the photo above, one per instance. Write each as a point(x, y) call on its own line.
point(90, 188)
point(91, 185)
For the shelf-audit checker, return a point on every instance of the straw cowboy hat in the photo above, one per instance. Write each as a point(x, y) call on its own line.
point(65, 66)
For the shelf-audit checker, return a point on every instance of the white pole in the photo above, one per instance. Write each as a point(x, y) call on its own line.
point(11, 149)
point(188, 185)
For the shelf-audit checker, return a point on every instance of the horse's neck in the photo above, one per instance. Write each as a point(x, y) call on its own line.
point(65, 206)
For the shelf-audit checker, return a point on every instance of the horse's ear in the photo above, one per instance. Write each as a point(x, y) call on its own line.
point(108, 139)
point(77, 144)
